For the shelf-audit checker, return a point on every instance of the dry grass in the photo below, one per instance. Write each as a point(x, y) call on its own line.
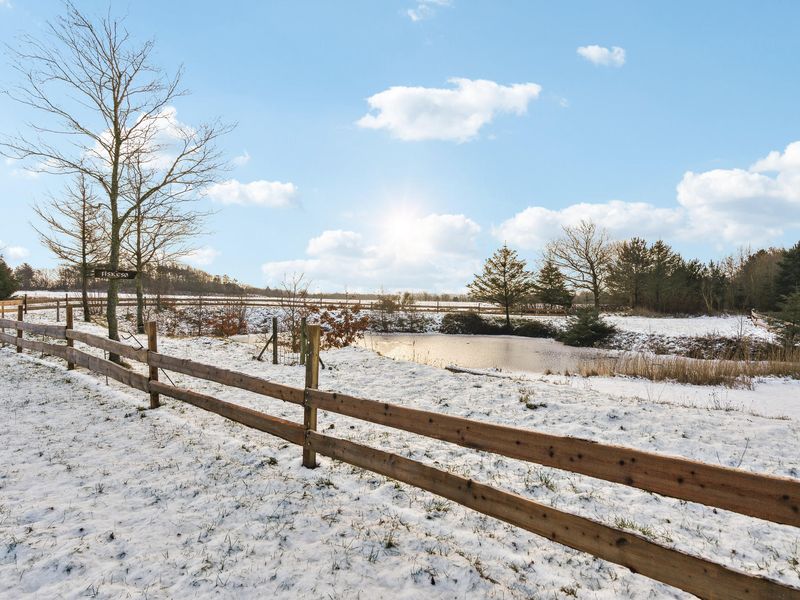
point(730, 373)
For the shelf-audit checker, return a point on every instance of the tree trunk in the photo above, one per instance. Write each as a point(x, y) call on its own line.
point(508, 316)
point(87, 315)
point(112, 294)
point(139, 282)
point(139, 302)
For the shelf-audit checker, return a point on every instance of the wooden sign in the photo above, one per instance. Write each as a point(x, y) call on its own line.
point(110, 274)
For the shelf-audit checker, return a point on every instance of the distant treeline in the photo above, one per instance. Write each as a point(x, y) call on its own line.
point(175, 279)
point(655, 277)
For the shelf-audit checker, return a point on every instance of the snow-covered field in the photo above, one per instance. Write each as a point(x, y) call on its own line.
point(102, 498)
point(725, 326)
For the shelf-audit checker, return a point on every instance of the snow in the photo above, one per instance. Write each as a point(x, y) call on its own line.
point(725, 326)
point(103, 498)
point(771, 397)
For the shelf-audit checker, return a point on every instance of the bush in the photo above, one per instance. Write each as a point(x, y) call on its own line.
point(585, 328)
point(342, 326)
point(469, 323)
point(534, 329)
point(231, 320)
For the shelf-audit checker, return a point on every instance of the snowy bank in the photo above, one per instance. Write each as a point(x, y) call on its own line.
point(104, 499)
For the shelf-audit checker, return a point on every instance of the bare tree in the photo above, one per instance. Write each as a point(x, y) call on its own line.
point(295, 304)
point(584, 254)
point(105, 105)
point(160, 229)
point(74, 231)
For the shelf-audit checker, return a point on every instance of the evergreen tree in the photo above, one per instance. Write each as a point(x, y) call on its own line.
point(8, 284)
point(713, 287)
point(503, 281)
point(551, 286)
point(25, 274)
point(664, 264)
point(790, 317)
point(788, 278)
point(628, 273)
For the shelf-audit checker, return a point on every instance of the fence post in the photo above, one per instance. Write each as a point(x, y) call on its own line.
point(25, 304)
point(152, 346)
point(20, 313)
point(303, 341)
point(274, 340)
point(70, 343)
point(312, 382)
point(200, 319)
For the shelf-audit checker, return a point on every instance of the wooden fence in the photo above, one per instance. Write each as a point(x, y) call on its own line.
point(97, 302)
point(775, 499)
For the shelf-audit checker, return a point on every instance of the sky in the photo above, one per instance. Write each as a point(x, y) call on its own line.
point(395, 144)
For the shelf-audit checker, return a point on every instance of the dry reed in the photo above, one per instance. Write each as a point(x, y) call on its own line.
point(729, 373)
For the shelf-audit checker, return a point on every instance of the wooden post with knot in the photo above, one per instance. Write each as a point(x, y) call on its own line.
point(70, 343)
point(152, 346)
point(20, 312)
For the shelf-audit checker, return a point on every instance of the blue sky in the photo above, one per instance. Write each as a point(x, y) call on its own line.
point(395, 144)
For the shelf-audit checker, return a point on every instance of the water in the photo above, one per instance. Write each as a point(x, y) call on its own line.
point(507, 353)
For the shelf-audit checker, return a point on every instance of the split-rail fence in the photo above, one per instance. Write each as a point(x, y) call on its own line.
point(97, 303)
point(767, 497)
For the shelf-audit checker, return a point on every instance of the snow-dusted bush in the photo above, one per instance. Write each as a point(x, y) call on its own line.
point(585, 328)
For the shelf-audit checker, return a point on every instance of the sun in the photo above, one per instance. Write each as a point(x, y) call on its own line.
point(400, 228)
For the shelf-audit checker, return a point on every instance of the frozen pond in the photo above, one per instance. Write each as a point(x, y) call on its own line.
point(503, 352)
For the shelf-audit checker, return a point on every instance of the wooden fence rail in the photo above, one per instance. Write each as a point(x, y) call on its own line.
point(766, 497)
point(34, 303)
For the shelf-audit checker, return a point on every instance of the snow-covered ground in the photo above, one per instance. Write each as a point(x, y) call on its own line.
point(725, 326)
point(102, 498)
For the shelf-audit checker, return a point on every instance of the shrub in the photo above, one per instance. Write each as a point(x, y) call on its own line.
point(585, 328)
point(342, 327)
point(470, 323)
point(534, 329)
point(231, 320)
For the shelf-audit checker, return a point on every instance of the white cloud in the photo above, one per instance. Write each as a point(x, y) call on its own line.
point(201, 257)
point(533, 227)
point(749, 205)
point(434, 252)
point(419, 113)
point(425, 9)
point(336, 242)
point(6, 3)
point(274, 194)
point(727, 207)
point(13, 254)
point(600, 55)
point(241, 160)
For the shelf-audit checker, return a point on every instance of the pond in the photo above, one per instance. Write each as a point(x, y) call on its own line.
point(504, 352)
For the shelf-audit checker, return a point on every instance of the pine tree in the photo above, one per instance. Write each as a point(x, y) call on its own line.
point(8, 284)
point(713, 287)
point(790, 317)
point(551, 286)
point(665, 263)
point(504, 281)
point(627, 276)
point(788, 279)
